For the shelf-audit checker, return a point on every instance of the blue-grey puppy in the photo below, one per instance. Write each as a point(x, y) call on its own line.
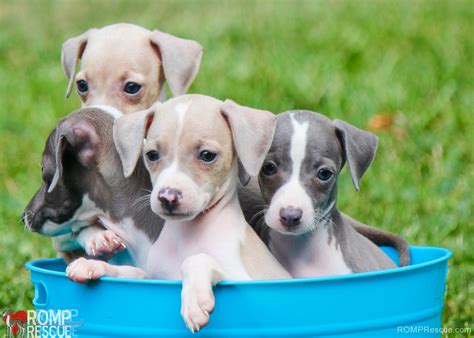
point(84, 201)
point(307, 233)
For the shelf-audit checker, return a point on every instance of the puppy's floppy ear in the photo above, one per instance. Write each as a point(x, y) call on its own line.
point(129, 133)
point(252, 132)
point(82, 139)
point(180, 58)
point(71, 52)
point(358, 147)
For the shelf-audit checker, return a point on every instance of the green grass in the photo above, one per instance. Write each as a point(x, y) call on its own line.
point(412, 60)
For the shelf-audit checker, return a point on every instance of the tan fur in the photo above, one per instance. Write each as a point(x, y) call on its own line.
point(205, 232)
point(204, 127)
point(198, 133)
point(107, 72)
point(120, 53)
point(258, 261)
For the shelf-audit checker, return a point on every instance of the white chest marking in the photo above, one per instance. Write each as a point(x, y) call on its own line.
point(309, 256)
point(329, 259)
point(219, 235)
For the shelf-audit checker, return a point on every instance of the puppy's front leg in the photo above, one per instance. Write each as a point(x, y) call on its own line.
point(83, 270)
point(200, 273)
point(97, 241)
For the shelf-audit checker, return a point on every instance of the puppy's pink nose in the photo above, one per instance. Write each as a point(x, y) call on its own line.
point(291, 216)
point(169, 198)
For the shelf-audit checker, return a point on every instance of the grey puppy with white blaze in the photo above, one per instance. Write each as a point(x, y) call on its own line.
point(307, 233)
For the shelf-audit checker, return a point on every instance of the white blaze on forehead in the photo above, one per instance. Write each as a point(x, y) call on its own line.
point(292, 193)
point(171, 175)
point(298, 146)
point(181, 109)
point(109, 109)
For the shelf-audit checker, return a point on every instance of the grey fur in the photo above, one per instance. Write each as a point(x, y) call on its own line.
point(103, 179)
point(332, 144)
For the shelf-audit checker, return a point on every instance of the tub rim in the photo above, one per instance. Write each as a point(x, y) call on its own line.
point(445, 256)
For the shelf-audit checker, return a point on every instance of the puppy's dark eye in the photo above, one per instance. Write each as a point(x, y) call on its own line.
point(132, 88)
point(153, 155)
point(82, 86)
point(207, 156)
point(324, 174)
point(269, 168)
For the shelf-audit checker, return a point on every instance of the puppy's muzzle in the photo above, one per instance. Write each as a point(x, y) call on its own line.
point(31, 220)
point(170, 199)
point(291, 216)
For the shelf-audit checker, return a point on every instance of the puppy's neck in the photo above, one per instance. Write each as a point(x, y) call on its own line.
point(302, 246)
point(310, 254)
point(226, 189)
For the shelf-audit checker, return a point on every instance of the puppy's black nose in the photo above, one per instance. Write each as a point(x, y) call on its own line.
point(169, 198)
point(34, 221)
point(291, 216)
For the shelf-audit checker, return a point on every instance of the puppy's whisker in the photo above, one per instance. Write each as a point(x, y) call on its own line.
point(260, 225)
point(321, 220)
point(26, 225)
point(317, 222)
point(142, 202)
point(257, 217)
point(144, 198)
point(143, 205)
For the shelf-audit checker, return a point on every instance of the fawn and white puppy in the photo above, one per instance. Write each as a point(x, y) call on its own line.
point(298, 180)
point(196, 149)
point(83, 184)
point(125, 66)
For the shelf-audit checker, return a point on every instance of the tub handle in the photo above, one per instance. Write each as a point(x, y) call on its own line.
point(41, 294)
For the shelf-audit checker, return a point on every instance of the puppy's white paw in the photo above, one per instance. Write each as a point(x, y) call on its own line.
point(197, 303)
point(82, 270)
point(104, 243)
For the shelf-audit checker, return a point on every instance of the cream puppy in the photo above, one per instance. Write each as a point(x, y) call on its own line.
point(196, 149)
point(125, 66)
point(123, 69)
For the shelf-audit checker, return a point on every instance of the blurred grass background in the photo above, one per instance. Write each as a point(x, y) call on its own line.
point(402, 68)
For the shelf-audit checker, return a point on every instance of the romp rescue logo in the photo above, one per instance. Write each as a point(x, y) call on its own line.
point(41, 323)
